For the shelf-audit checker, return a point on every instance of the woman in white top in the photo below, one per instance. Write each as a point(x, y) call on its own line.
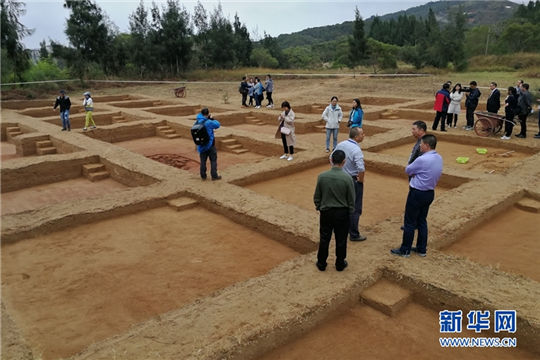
point(332, 115)
point(455, 105)
point(88, 104)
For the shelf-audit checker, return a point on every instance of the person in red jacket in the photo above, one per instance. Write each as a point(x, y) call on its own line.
point(442, 99)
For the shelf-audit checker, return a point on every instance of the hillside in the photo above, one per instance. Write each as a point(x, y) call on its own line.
point(478, 13)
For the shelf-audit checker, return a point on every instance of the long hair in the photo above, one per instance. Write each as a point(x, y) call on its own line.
point(455, 86)
point(358, 105)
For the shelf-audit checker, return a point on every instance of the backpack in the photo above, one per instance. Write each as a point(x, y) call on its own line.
point(200, 134)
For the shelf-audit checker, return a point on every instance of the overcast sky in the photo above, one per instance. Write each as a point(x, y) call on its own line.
point(48, 17)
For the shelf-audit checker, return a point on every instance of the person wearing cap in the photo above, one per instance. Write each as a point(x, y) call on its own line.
point(65, 104)
point(88, 104)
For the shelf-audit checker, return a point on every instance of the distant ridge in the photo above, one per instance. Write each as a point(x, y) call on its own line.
point(478, 13)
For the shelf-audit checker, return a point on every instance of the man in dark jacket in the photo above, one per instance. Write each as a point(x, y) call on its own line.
point(243, 89)
point(442, 99)
point(524, 106)
point(471, 103)
point(65, 104)
point(494, 99)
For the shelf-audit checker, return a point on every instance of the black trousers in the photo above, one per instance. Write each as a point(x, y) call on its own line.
point(523, 121)
point(449, 118)
point(416, 211)
point(212, 154)
point(441, 116)
point(508, 126)
point(470, 116)
point(269, 98)
point(244, 98)
point(334, 220)
point(286, 149)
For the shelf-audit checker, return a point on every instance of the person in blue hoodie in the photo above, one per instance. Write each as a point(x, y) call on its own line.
point(208, 150)
point(356, 115)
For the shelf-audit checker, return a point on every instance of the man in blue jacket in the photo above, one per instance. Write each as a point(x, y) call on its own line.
point(208, 150)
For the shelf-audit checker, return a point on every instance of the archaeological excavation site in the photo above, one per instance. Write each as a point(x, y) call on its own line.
point(114, 248)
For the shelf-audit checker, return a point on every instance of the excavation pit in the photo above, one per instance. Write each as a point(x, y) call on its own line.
point(380, 187)
point(498, 159)
point(508, 240)
point(26, 104)
point(48, 112)
point(9, 151)
point(316, 135)
point(184, 150)
point(140, 104)
point(429, 106)
point(183, 110)
point(78, 121)
point(362, 332)
point(110, 275)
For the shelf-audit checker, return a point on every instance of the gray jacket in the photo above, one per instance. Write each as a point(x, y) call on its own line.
point(524, 102)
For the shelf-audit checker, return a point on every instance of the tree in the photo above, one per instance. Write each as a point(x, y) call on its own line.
point(140, 48)
point(220, 41)
point(242, 43)
point(43, 52)
point(15, 59)
point(357, 43)
point(270, 43)
point(88, 33)
point(381, 55)
point(261, 57)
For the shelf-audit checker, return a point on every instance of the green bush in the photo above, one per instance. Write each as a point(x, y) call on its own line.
point(262, 58)
point(44, 70)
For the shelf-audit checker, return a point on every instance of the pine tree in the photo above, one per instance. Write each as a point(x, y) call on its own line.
point(242, 42)
point(357, 43)
point(15, 59)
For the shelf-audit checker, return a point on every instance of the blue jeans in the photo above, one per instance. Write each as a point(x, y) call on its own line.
point(64, 116)
point(355, 217)
point(212, 154)
point(328, 133)
point(416, 211)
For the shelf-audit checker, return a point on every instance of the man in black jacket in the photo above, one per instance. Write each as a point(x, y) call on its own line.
point(524, 106)
point(65, 105)
point(471, 103)
point(494, 99)
point(243, 89)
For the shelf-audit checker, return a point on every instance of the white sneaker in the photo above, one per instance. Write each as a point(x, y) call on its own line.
point(505, 137)
point(284, 156)
point(257, 107)
point(93, 127)
point(268, 106)
point(84, 129)
point(289, 158)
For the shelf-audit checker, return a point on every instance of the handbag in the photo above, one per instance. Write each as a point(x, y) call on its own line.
point(284, 130)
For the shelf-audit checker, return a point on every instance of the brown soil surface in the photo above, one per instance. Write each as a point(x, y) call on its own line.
point(185, 148)
point(9, 151)
point(39, 196)
point(298, 189)
point(90, 282)
point(508, 241)
point(365, 333)
point(452, 150)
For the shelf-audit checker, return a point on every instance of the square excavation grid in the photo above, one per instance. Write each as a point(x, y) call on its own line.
point(253, 121)
point(508, 241)
point(48, 111)
point(182, 153)
point(9, 151)
point(140, 103)
point(387, 325)
point(317, 134)
point(301, 186)
point(106, 276)
point(27, 104)
point(184, 110)
point(497, 160)
point(77, 121)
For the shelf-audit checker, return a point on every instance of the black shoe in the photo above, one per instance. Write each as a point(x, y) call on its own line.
point(63, 129)
point(342, 266)
point(443, 130)
point(537, 136)
point(415, 249)
point(398, 252)
point(216, 178)
point(320, 267)
point(521, 136)
point(359, 238)
point(203, 178)
point(402, 228)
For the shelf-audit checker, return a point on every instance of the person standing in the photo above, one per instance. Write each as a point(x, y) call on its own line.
point(269, 89)
point(332, 115)
point(208, 150)
point(519, 84)
point(251, 88)
point(442, 99)
point(525, 106)
point(65, 104)
point(537, 136)
point(88, 104)
point(510, 105)
point(356, 169)
point(425, 172)
point(356, 115)
point(258, 93)
point(334, 199)
point(454, 109)
point(244, 89)
point(471, 103)
point(286, 131)
point(418, 130)
point(494, 99)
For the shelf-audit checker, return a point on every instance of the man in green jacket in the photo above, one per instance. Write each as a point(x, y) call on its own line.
point(334, 199)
